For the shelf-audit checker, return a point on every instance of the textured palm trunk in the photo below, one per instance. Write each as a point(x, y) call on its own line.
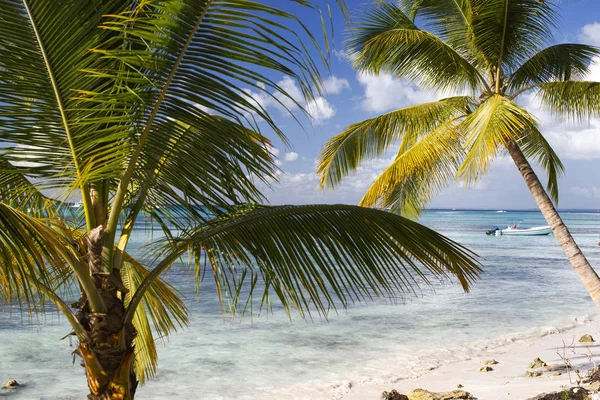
point(584, 270)
point(108, 356)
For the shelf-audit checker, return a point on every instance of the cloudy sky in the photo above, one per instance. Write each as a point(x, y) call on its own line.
point(352, 97)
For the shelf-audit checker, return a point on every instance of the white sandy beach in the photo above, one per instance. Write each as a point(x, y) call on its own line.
point(507, 380)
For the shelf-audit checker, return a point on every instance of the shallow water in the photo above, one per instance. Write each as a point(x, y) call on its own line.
point(527, 288)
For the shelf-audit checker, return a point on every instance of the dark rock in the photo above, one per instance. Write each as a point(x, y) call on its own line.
point(571, 394)
point(537, 363)
point(486, 368)
point(586, 339)
point(393, 395)
point(459, 386)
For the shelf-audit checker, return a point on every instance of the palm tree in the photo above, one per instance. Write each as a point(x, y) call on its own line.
point(106, 101)
point(494, 52)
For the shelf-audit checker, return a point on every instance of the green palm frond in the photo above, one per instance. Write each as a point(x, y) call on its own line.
point(494, 123)
point(43, 59)
point(162, 305)
point(562, 62)
point(343, 153)
point(315, 255)
point(215, 161)
point(449, 19)
point(386, 40)
point(535, 147)
point(508, 32)
point(204, 52)
point(576, 100)
point(18, 192)
point(36, 260)
point(417, 174)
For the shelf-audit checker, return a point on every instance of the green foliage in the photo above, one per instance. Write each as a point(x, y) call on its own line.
point(386, 40)
point(140, 108)
point(495, 51)
point(310, 256)
point(372, 138)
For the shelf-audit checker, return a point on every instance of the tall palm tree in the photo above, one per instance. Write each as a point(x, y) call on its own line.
point(106, 101)
point(494, 51)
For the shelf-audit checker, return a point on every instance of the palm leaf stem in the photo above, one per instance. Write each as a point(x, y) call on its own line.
point(150, 278)
point(117, 205)
point(87, 284)
point(63, 307)
point(528, 88)
point(499, 68)
point(135, 210)
point(85, 195)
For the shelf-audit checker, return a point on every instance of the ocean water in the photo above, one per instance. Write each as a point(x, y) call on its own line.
point(527, 289)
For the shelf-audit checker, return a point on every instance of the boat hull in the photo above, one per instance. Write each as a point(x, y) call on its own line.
point(536, 231)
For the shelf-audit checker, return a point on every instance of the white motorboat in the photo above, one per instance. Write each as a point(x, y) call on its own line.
point(533, 231)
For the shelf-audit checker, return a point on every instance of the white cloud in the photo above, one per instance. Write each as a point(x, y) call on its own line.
point(594, 71)
point(260, 98)
point(303, 188)
point(294, 94)
point(273, 150)
point(569, 140)
point(590, 33)
point(335, 85)
point(384, 92)
point(291, 156)
point(589, 192)
point(341, 55)
point(320, 109)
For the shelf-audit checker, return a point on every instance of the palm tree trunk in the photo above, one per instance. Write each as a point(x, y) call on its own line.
point(109, 355)
point(586, 273)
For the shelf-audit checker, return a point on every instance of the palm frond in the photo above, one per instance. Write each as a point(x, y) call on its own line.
point(494, 123)
point(535, 147)
point(508, 32)
point(417, 174)
point(43, 59)
point(313, 256)
point(344, 153)
point(202, 168)
point(35, 256)
point(562, 62)
point(451, 20)
point(19, 192)
point(162, 305)
point(203, 54)
point(386, 40)
point(576, 100)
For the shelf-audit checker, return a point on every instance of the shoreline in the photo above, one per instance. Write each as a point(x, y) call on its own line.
point(507, 380)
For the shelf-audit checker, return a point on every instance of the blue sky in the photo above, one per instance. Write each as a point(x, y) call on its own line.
point(352, 97)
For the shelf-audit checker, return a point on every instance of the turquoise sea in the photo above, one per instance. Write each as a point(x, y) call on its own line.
point(528, 288)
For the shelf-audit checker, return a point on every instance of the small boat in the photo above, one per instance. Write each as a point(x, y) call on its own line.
point(514, 231)
point(77, 204)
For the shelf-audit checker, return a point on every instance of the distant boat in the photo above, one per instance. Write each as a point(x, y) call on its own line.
point(77, 205)
point(514, 231)
point(500, 211)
